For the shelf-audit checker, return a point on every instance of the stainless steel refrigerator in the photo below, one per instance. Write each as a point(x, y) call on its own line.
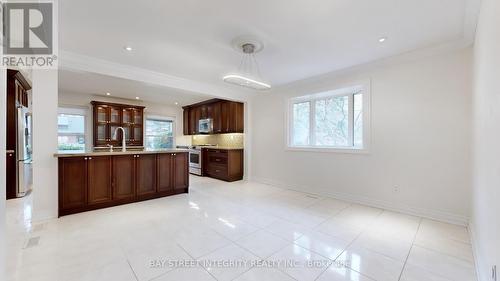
point(24, 151)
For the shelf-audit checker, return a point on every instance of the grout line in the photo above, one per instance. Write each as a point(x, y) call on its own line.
point(411, 248)
point(133, 272)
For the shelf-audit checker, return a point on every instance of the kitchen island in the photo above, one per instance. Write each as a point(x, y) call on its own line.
point(92, 180)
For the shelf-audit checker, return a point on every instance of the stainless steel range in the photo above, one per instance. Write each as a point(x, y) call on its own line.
point(196, 158)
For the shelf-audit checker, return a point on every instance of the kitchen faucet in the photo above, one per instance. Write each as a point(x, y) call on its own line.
point(124, 147)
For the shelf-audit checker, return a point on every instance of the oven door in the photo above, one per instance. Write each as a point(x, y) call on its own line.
point(195, 159)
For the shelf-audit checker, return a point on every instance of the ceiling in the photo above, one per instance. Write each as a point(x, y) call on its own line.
point(192, 38)
point(96, 84)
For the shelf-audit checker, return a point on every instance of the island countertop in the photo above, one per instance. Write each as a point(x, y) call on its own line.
point(117, 152)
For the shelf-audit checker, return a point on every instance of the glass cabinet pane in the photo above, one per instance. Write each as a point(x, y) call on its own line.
point(137, 133)
point(137, 117)
point(102, 114)
point(101, 132)
point(118, 135)
point(127, 116)
point(115, 115)
point(127, 133)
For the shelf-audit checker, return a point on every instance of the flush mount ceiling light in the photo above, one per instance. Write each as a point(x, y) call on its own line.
point(382, 39)
point(136, 98)
point(108, 94)
point(128, 48)
point(248, 74)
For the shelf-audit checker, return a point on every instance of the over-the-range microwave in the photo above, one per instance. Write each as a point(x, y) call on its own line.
point(205, 126)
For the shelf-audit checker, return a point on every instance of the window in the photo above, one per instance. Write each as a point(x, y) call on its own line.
point(330, 120)
point(71, 129)
point(159, 132)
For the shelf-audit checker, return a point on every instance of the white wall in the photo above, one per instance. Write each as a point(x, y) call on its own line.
point(45, 200)
point(421, 121)
point(485, 224)
point(83, 100)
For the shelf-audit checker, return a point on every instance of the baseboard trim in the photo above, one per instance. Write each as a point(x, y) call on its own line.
point(391, 206)
point(475, 250)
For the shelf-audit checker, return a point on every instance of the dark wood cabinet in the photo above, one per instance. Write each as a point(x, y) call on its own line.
point(10, 176)
point(123, 177)
point(93, 182)
point(17, 95)
point(224, 164)
point(108, 117)
point(181, 171)
point(73, 176)
point(99, 179)
point(146, 174)
point(165, 176)
point(227, 116)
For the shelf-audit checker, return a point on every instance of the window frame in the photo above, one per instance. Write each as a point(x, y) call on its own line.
point(161, 118)
point(348, 89)
point(77, 110)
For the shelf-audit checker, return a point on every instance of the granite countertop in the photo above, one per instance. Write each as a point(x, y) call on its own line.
point(224, 148)
point(116, 152)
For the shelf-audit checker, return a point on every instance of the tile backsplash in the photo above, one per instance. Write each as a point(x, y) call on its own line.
point(224, 140)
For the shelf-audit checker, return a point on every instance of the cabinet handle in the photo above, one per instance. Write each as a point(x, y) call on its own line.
point(217, 160)
point(217, 171)
point(90, 158)
point(10, 154)
point(85, 158)
point(137, 156)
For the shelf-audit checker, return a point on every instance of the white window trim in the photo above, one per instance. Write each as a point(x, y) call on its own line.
point(365, 85)
point(163, 118)
point(79, 110)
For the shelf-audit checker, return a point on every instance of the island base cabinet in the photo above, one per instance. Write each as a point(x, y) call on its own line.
point(123, 177)
point(94, 182)
point(173, 173)
point(72, 183)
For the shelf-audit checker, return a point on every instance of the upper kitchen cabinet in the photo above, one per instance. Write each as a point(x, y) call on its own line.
point(109, 116)
point(225, 117)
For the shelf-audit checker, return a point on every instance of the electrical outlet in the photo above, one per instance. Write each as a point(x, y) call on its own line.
point(494, 273)
point(396, 188)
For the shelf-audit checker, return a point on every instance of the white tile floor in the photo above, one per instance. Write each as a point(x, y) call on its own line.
point(236, 231)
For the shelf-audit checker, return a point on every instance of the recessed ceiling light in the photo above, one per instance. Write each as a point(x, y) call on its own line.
point(382, 39)
point(128, 48)
point(176, 103)
point(108, 94)
point(136, 98)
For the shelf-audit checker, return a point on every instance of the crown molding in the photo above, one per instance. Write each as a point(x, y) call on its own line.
point(81, 63)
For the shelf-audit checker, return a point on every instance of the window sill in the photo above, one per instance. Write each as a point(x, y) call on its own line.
point(348, 150)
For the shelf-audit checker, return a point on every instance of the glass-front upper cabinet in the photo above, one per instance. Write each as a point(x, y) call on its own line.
point(138, 116)
point(110, 116)
point(102, 114)
point(115, 115)
point(127, 115)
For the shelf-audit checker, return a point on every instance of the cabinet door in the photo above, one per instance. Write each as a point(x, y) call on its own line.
point(127, 116)
point(136, 138)
point(99, 179)
point(185, 122)
point(216, 116)
point(193, 122)
point(225, 116)
point(181, 170)
point(138, 116)
point(10, 176)
point(165, 176)
point(123, 177)
point(115, 115)
point(72, 182)
point(146, 173)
